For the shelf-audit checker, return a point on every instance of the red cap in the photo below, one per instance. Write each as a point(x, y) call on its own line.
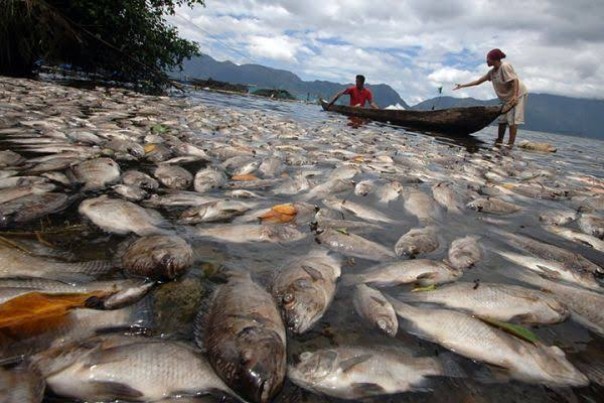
point(495, 54)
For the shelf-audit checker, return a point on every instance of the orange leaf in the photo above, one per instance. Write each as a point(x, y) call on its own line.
point(287, 208)
point(35, 305)
point(244, 177)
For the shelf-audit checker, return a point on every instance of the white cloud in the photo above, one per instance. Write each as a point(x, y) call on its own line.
point(412, 45)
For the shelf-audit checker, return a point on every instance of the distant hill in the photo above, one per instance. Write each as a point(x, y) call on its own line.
point(261, 77)
point(546, 113)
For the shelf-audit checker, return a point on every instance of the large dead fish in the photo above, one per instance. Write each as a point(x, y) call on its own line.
point(128, 368)
point(374, 308)
point(359, 210)
point(495, 301)
point(349, 372)
point(96, 173)
point(243, 233)
point(353, 245)
point(421, 271)
point(121, 216)
point(417, 241)
point(473, 338)
point(464, 252)
point(492, 205)
point(304, 289)
point(244, 337)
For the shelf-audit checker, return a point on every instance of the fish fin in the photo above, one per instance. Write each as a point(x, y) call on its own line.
point(548, 272)
point(348, 364)
point(115, 390)
point(312, 272)
point(367, 389)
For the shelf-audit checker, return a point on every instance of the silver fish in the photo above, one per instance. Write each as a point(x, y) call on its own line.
point(96, 173)
point(353, 245)
point(328, 188)
point(128, 368)
point(446, 195)
point(173, 176)
point(21, 190)
point(130, 193)
point(576, 236)
point(243, 233)
point(421, 271)
point(502, 302)
point(121, 216)
point(421, 205)
point(219, 210)
point(552, 261)
point(208, 179)
point(156, 256)
point(492, 205)
point(473, 338)
point(359, 210)
point(371, 305)
point(362, 372)
point(178, 198)
point(417, 241)
point(139, 179)
point(389, 192)
point(271, 167)
point(558, 217)
point(244, 338)
point(363, 188)
point(304, 289)
point(465, 252)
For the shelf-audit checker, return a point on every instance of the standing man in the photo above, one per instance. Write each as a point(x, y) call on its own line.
point(509, 89)
point(359, 95)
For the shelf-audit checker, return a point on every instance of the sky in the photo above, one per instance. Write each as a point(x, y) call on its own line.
point(415, 46)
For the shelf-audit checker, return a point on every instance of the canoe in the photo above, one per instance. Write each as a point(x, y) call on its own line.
point(452, 121)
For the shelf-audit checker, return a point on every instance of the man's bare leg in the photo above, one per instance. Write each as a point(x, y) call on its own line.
point(513, 131)
point(500, 133)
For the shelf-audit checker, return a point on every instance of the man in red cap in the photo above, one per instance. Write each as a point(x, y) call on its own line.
point(359, 95)
point(509, 89)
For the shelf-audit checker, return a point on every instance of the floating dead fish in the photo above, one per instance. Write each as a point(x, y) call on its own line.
point(492, 205)
point(417, 241)
point(140, 180)
point(464, 252)
point(158, 257)
point(28, 208)
point(96, 173)
point(371, 305)
point(354, 245)
point(421, 271)
point(173, 176)
point(243, 233)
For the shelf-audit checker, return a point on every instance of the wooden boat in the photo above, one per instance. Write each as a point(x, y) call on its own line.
point(452, 121)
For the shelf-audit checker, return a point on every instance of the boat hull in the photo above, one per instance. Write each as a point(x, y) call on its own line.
point(452, 121)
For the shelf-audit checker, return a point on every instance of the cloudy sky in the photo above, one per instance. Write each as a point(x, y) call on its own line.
point(415, 46)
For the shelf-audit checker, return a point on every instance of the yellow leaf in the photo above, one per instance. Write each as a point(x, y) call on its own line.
point(149, 148)
point(36, 305)
point(287, 208)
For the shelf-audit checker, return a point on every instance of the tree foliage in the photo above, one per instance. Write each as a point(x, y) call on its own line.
point(127, 40)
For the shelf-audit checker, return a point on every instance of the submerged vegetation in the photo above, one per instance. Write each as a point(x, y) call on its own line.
point(127, 41)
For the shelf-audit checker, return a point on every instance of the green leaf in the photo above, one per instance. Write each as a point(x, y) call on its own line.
point(515, 330)
point(430, 287)
point(159, 129)
point(342, 231)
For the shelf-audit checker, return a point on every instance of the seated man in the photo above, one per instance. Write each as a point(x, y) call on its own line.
point(359, 95)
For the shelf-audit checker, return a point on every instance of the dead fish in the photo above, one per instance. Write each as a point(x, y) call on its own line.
point(271, 167)
point(552, 261)
point(592, 224)
point(371, 305)
point(178, 198)
point(128, 368)
point(464, 252)
point(353, 245)
point(358, 373)
point(173, 176)
point(421, 205)
point(446, 195)
point(492, 205)
point(363, 188)
point(28, 208)
point(329, 188)
point(421, 271)
point(359, 210)
point(243, 233)
point(535, 146)
point(157, 257)
point(585, 306)
point(474, 339)
point(21, 189)
point(96, 173)
point(10, 158)
point(244, 338)
point(140, 180)
point(121, 216)
point(389, 192)
point(84, 137)
point(130, 193)
point(157, 152)
point(304, 289)
point(78, 324)
point(576, 236)
point(21, 384)
point(209, 179)
point(502, 302)
point(126, 146)
point(219, 210)
point(558, 217)
point(417, 241)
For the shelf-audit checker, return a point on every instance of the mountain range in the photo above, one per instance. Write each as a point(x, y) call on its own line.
point(544, 112)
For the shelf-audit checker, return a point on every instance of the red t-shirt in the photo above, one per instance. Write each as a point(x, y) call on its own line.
point(358, 97)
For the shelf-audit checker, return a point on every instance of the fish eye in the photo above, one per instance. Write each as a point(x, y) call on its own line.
point(288, 298)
